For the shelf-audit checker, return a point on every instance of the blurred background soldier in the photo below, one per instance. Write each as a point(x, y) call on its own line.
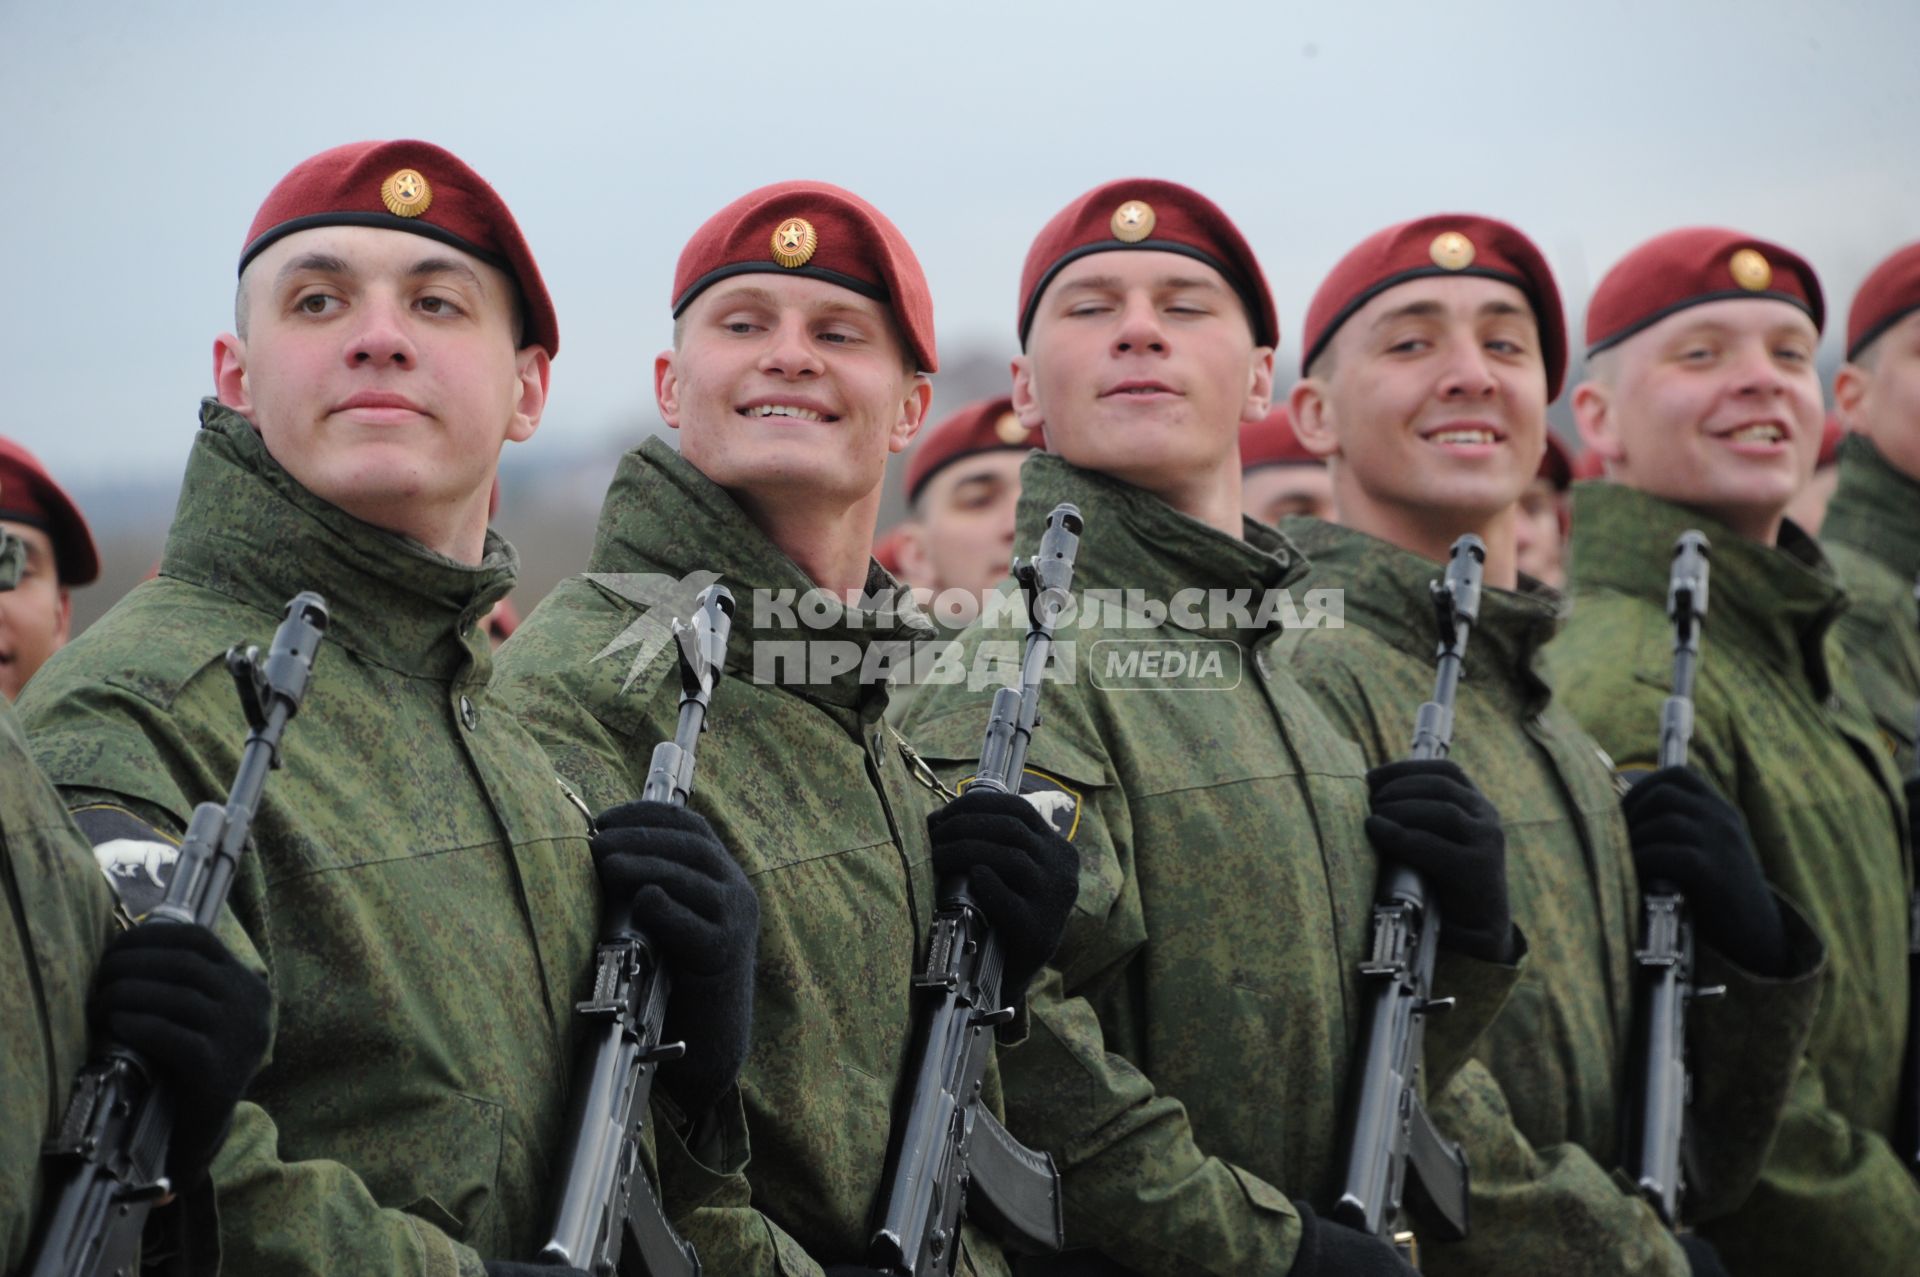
point(36, 614)
point(1278, 477)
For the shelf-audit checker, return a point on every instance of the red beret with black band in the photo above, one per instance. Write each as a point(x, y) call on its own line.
point(821, 232)
point(1435, 247)
point(1887, 296)
point(991, 425)
point(415, 187)
point(1153, 216)
point(1271, 441)
point(1692, 267)
point(29, 495)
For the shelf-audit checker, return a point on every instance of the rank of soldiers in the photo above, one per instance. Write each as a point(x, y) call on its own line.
point(1194, 967)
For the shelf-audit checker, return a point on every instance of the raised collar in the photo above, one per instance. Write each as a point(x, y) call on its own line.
point(1387, 591)
point(1776, 601)
point(246, 529)
point(663, 518)
point(1134, 541)
point(1876, 508)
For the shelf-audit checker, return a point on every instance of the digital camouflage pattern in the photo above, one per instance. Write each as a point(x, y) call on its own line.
point(1781, 730)
point(1188, 1059)
point(818, 800)
point(58, 916)
point(1872, 536)
point(1539, 1109)
point(419, 883)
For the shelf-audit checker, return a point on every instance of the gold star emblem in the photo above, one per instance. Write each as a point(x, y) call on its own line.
point(1133, 221)
point(406, 193)
point(794, 241)
point(1451, 250)
point(1750, 270)
point(1009, 429)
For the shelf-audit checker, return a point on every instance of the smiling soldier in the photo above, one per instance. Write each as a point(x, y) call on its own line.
point(1703, 399)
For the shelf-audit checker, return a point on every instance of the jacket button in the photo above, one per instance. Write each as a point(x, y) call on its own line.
point(468, 714)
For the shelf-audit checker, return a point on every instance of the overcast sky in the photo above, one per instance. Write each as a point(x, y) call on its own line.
point(136, 140)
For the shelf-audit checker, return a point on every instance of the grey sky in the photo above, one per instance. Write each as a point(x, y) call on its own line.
point(140, 137)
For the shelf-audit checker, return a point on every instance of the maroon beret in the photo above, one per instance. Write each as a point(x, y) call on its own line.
point(1830, 436)
point(1589, 465)
point(1885, 298)
point(1144, 213)
point(822, 232)
point(415, 187)
point(1270, 441)
point(29, 495)
point(1691, 267)
point(1556, 464)
point(1437, 246)
point(987, 426)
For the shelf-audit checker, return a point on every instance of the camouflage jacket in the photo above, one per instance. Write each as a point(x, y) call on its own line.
point(417, 886)
point(813, 793)
point(58, 914)
point(1781, 730)
point(1872, 535)
point(1539, 1108)
point(1188, 1059)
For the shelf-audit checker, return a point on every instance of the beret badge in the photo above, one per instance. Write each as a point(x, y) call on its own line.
point(1750, 270)
point(1451, 250)
point(794, 241)
point(1133, 221)
point(1009, 429)
point(406, 193)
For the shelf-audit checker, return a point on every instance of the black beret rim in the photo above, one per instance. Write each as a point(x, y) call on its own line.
point(1256, 313)
point(1724, 295)
point(68, 554)
point(913, 493)
point(381, 221)
point(1346, 312)
point(875, 292)
point(1874, 333)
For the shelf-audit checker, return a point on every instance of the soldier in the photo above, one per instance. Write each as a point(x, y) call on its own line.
point(37, 614)
point(421, 883)
point(1704, 401)
point(1278, 477)
point(1542, 518)
point(1432, 351)
point(963, 482)
point(175, 994)
point(1189, 1056)
point(1809, 505)
point(803, 331)
point(1872, 530)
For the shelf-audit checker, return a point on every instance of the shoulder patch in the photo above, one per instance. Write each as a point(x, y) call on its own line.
point(136, 858)
point(1054, 799)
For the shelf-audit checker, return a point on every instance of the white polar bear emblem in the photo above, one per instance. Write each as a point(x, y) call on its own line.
point(1052, 804)
point(128, 857)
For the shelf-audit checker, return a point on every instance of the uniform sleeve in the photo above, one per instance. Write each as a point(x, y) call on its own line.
point(1541, 1210)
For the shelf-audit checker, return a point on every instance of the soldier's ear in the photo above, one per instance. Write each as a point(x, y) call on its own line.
point(1026, 404)
point(913, 413)
point(1593, 414)
point(666, 388)
point(230, 375)
point(1308, 405)
point(1850, 387)
point(1259, 401)
point(533, 373)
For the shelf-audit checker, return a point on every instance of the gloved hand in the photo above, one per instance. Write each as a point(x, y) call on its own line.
point(508, 1268)
point(1022, 874)
point(1685, 834)
point(1702, 1259)
point(668, 871)
point(1328, 1249)
point(1428, 816)
point(176, 995)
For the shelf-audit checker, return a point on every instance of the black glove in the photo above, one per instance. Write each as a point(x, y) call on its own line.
point(1428, 816)
point(1685, 834)
point(664, 868)
point(508, 1268)
point(1334, 1250)
point(176, 995)
point(1702, 1259)
point(1022, 874)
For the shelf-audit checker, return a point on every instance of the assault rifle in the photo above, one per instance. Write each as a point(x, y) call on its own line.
point(949, 1153)
point(111, 1148)
point(1660, 1082)
point(1390, 1132)
point(607, 1220)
